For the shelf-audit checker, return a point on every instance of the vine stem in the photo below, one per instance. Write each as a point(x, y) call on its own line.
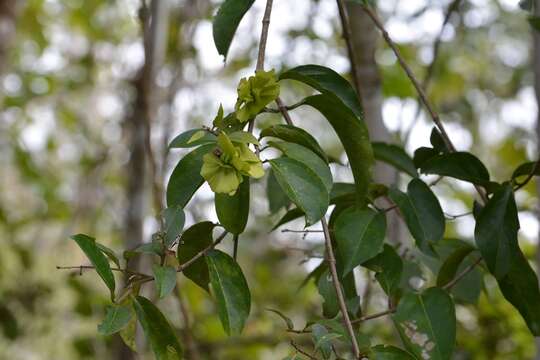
point(337, 285)
point(264, 35)
point(421, 93)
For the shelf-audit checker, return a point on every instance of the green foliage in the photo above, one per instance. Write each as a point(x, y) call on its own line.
point(158, 331)
point(226, 22)
point(165, 279)
point(359, 236)
point(116, 318)
point(96, 257)
point(230, 290)
point(422, 214)
point(459, 165)
point(302, 186)
point(395, 156)
point(174, 223)
point(233, 210)
point(388, 268)
point(426, 323)
point(295, 135)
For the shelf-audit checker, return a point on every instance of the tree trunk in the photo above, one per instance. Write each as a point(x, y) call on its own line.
point(7, 30)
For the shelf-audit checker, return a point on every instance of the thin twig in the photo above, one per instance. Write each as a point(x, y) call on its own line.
point(346, 28)
point(301, 231)
point(374, 316)
point(299, 350)
point(283, 110)
point(235, 248)
point(264, 35)
point(90, 267)
point(461, 275)
point(339, 291)
point(431, 67)
point(421, 93)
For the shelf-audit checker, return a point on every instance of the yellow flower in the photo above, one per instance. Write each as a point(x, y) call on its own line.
point(255, 93)
point(225, 167)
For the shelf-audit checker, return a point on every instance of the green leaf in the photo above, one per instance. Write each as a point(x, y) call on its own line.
point(295, 135)
point(243, 137)
point(116, 318)
point(422, 214)
point(233, 211)
point(395, 156)
point(326, 80)
point(359, 236)
point(388, 352)
point(192, 138)
point(459, 165)
point(277, 198)
point(423, 154)
point(226, 22)
point(174, 223)
point(109, 253)
point(426, 323)
point(323, 340)
point(388, 268)
point(308, 158)
point(230, 290)
point(128, 334)
point(157, 330)
point(186, 179)
point(165, 279)
point(450, 267)
point(302, 186)
point(526, 169)
point(96, 257)
point(496, 232)
point(437, 141)
point(353, 134)
point(326, 289)
point(195, 239)
point(496, 236)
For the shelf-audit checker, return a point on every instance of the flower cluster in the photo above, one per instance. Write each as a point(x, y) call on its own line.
point(225, 167)
point(255, 93)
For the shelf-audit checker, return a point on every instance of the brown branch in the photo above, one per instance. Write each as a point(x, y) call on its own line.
point(346, 28)
point(374, 316)
point(535, 168)
point(284, 111)
point(421, 93)
point(461, 275)
point(339, 291)
point(264, 35)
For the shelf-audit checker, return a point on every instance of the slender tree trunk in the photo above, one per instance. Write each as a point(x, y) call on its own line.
point(141, 168)
point(536, 69)
point(7, 30)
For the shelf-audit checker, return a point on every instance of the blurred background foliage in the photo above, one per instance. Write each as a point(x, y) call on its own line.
point(67, 93)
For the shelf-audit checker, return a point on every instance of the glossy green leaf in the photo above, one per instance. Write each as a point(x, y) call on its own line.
point(192, 138)
point(165, 279)
point(324, 80)
point(459, 165)
point(326, 289)
point(496, 236)
point(116, 318)
point(226, 22)
point(233, 211)
point(230, 290)
point(186, 177)
point(302, 186)
point(423, 154)
point(422, 214)
point(426, 323)
point(277, 199)
point(96, 257)
point(195, 239)
point(389, 352)
point(158, 331)
point(395, 156)
point(295, 135)
point(353, 134)
point(174, 223)
point(450, 267)
point(308, 158)
point(388, 268)
point(437, 141)
point(359, 236)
